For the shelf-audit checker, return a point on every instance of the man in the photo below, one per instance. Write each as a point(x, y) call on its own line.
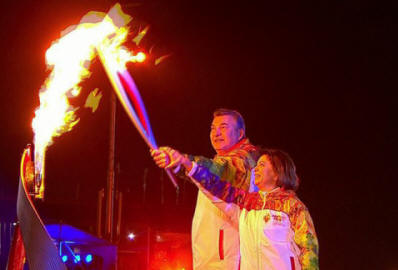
point(215, 237)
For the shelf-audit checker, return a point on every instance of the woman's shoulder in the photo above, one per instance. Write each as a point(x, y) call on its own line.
point(289, 200)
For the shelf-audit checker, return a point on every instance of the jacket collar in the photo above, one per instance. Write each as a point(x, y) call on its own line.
point(240, 144)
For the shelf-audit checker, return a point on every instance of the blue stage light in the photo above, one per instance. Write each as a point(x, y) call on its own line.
point(64, 258)
point(89, 258)
point(77, 258)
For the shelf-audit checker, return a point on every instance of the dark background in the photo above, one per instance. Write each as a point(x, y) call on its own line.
point(315, 79)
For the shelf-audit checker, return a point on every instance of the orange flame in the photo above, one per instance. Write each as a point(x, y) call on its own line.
point(69, 59)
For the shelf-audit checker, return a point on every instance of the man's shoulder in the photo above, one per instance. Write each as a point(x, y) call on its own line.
point(244, 150)
point(250, 148)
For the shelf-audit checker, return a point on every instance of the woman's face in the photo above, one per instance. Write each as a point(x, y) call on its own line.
point(264, 175)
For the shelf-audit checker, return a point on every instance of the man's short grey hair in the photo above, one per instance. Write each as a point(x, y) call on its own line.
point(240, 122)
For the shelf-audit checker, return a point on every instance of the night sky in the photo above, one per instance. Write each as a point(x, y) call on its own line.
point(315, 79)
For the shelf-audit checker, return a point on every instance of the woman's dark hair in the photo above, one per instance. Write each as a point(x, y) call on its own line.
point(284, 167)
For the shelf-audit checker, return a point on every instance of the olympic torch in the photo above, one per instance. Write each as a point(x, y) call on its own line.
point(124, 86)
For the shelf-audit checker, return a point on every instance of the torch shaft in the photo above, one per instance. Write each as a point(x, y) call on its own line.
point(146, 134)
point(117, 86)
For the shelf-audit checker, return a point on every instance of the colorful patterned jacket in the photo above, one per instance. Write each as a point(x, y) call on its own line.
point(234, 165)
point(215, 239)
point(276, 229)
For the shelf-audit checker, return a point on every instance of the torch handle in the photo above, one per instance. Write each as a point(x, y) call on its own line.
point(172, 178)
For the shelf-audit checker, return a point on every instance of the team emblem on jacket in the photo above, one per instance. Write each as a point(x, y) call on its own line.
point(267, 218)
point(277, 219)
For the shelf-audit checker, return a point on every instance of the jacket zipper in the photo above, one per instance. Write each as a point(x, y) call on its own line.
point(264, 197)
point(221, 244)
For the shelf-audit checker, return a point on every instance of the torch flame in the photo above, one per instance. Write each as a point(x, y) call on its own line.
point(69, 60)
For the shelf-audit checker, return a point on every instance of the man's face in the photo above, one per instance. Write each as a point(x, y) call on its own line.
point(224, 132)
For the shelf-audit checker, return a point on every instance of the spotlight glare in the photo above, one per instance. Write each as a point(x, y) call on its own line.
point(89, 258)
point(64, 258)
point(131, 236)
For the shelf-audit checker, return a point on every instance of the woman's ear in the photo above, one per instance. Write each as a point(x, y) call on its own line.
point(241, 134)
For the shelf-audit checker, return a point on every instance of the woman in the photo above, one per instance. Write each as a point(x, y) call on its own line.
point(276, 229)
